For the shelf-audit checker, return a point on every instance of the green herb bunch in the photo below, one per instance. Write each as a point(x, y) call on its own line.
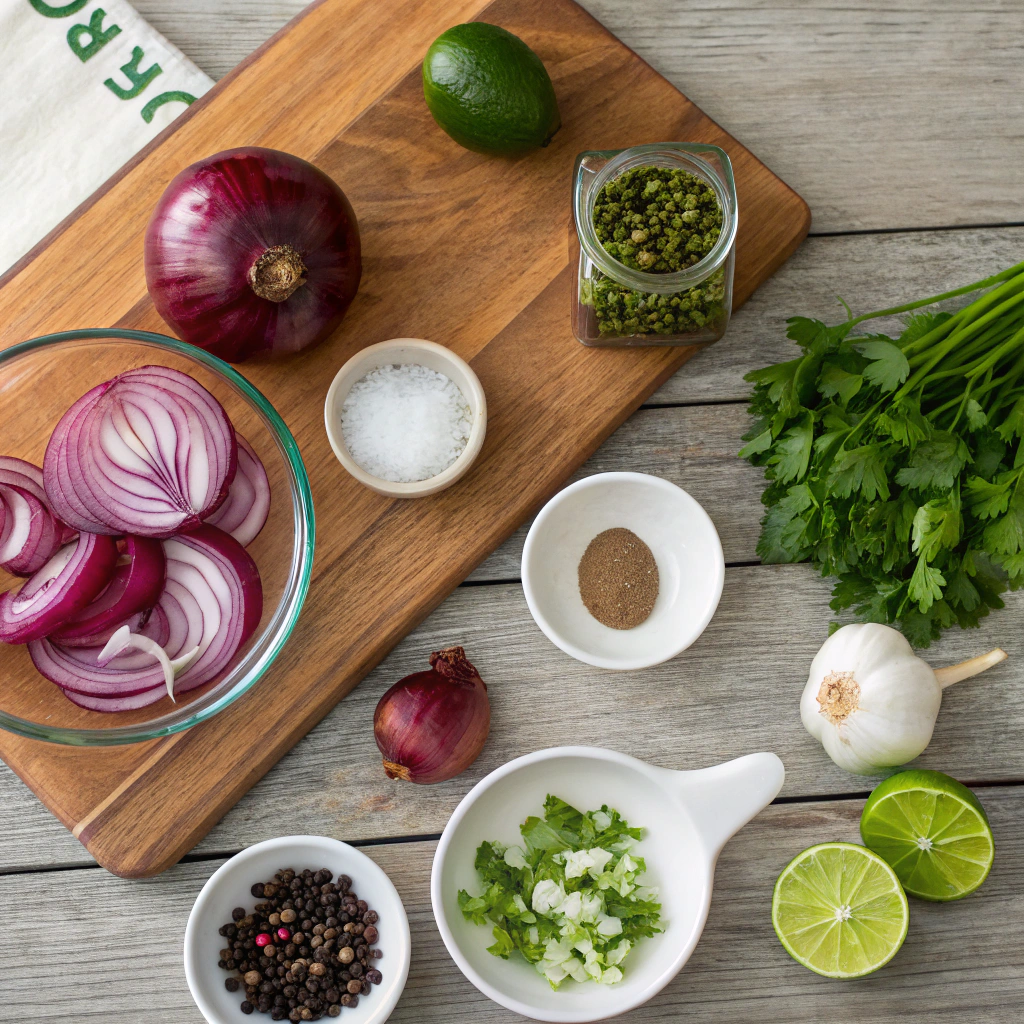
point(895, 464)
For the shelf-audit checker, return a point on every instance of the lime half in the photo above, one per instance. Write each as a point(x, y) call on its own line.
point(840, 910)
point(933, 831)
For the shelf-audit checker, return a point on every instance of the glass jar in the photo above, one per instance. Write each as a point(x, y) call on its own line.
point(614, 305)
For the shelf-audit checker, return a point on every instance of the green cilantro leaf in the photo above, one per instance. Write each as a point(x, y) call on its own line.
point(793, 450)
point(925, 585)
point(861, 471)
point(936, 462)
point(888, 367)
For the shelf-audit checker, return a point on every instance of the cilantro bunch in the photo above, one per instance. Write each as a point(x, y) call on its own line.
point(568, 899)
point(895, 464)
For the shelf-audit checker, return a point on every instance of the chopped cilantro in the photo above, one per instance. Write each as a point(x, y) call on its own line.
point(570, 899)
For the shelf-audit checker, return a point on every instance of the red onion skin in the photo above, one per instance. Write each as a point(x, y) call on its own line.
point(431, 726)
point(216, 218)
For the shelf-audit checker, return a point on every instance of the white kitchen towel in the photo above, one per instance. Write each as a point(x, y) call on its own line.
point(84, 85)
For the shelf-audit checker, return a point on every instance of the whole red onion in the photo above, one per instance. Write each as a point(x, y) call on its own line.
point(432, 725)
point(252, 251)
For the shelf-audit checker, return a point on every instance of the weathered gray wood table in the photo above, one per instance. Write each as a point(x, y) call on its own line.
point(903, 126)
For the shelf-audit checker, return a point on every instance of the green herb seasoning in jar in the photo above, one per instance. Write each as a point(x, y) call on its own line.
point(654, 233)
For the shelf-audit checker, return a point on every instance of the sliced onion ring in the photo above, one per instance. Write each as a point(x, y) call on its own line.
point(150, 452)
point(31, 536)
point(134, 587)
point(212, 599)
point(245, 511)
point(19, 473)
point(66, 583)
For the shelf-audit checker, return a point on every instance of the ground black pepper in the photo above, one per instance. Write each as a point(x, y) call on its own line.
point(310, 972)
point(618, 579)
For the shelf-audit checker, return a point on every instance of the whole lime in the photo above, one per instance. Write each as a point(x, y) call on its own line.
point(489, 91)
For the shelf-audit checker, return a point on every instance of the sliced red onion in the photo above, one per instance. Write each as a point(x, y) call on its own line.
point(19, 473)
point(66, 583)
point(134, 587)
point(150, 452)
point(114, 704)
point(30, 535)
point(245, 511)
point(212, 600)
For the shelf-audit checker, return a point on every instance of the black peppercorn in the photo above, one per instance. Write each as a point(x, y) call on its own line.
point(246, 1006)
point(374, 977)
point(257, 891)
point(231, 984)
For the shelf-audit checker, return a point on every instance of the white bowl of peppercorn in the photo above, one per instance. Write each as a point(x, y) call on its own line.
point(300, 928)
point(623, 570)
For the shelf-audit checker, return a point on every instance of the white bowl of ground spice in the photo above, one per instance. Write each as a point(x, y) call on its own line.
point(623, 570)
point(406, 417)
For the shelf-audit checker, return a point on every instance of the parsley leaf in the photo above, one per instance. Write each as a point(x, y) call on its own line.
point(888, 367)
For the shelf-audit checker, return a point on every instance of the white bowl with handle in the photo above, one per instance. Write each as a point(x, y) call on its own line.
point(687, 817)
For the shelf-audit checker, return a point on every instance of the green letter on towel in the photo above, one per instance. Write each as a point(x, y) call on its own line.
point(165, 97)
point(58, 12)
point(98, 36)
point(139, 79)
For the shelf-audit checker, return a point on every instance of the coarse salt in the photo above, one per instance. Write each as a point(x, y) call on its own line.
point(405, 422)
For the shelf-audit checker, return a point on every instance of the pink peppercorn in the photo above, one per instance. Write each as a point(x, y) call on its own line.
point(283, 934)
point(263, 939)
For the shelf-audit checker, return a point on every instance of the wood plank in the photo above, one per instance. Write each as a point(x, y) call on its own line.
point(735, 691)
point(860, 107)
point(381, 566)
point(117, 950)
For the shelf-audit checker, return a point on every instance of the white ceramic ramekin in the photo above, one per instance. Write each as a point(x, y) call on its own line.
point(228, 887)
point(682, 538)
point(687, 817)
point(402, 351)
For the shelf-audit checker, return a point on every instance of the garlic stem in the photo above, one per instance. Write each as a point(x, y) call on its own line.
point(956, 673)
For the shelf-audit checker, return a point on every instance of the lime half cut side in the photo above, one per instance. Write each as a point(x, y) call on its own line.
point(840, 910)
point(933, 832)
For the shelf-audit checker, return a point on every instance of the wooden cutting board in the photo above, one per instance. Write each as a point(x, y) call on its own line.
point(464, 249)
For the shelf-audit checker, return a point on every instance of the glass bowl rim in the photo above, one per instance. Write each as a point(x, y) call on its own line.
point(269, 643)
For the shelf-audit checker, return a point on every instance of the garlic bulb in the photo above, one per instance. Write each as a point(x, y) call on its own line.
point(871, 702)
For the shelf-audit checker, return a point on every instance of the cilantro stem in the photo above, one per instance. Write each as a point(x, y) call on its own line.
point(1014, 271)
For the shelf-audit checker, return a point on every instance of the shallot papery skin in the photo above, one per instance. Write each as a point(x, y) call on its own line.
point(432, 725)
point(244, 224)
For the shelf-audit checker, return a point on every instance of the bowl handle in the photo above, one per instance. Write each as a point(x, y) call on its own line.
point(723, 798)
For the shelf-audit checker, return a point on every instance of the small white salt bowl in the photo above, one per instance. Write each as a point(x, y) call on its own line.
point(228, 887)
point(685, 545)
point(404, 351)
point(687, 815)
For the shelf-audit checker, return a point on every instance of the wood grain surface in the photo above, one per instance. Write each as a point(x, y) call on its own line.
point(880, 115)
point(430, 213)
point(828, 92)
point(961, 962)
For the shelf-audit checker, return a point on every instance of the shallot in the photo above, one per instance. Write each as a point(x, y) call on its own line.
point(432, 725)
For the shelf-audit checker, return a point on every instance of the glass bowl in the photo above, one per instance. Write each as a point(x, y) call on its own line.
point(39, 380)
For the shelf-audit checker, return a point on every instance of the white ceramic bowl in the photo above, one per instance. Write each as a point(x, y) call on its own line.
point(228, 887)
point(682, 538)
point(688, 816)
point(402, 351)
